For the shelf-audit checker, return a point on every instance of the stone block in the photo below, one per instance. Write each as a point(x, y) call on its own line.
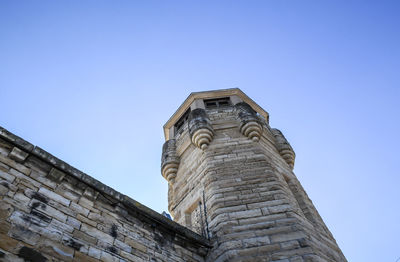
point(108, 257)
point(17, 166)
point(86, 220)
point(57, 250)
point(65, 192)
point(4, 226)
point(17, 205)
point(121, 245)
point(24, 178)
point(18, 155)
point(94, 252)
point(55, 175)
point(75, 223)
point(21, 198)
point(96, 217)
point(84, 237)
point(280, 209)
point(290, 245)
point(79, 209)
point(296, 259)
point(80, 257)
point(131, 257)
point(7, 243)
point(4, 167)
point(291, 253)
point(282, 237)
point(3, 190)
point(6, 176)
point(19, 218)
point(40, 177)
point(54, 196)
point(90, 193)
point(24, 234)
point(63, 227)
point(245, 214)
point(37, 164)
point(48, 232)
point(85, 202)
point(94, 232)
point(74, 243)
point(256, 241)
point(48, 210)
point(135, 244)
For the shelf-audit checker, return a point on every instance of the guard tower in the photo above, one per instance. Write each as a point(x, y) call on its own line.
point(230, 179)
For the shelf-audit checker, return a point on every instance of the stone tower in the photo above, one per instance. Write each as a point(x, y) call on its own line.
point(230, 179)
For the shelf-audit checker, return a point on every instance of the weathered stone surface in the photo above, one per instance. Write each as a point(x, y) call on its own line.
point(79, 209)
point(79, 257)
point(4, 175)
point(250, 125)
point(3, 190)
point(284, 148)
point(24, 234)
point(29, 254)
point(17, 166)
point(84, 237)
point(56, 250)
point(16, 140)
point(243, 195)
point(200, 128)
point(56, 175)
point(7, 243)
point(94, 252)
point(169, 160)
point(136, 244)
point(108, 257)
point(54, 196)
point(18, 155)
point(51, 211)
point(73, 222)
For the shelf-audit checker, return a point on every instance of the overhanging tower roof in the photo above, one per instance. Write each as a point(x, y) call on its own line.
point(210, 95)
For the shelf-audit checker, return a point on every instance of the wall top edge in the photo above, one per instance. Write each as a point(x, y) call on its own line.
point(126, 201)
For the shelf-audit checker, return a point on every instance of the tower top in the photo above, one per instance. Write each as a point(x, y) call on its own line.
point(198, 99)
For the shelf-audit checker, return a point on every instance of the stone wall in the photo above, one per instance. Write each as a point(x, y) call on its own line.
point(256, 209)
point(50, 211)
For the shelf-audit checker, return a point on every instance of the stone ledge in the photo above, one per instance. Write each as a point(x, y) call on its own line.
point(129, 203)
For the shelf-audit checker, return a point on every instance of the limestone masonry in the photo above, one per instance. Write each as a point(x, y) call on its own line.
point(232, 194)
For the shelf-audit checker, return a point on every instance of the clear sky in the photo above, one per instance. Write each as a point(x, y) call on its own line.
point(92, 82)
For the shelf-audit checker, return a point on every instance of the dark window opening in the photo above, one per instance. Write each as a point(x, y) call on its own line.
point(216, 103)
point(180, 123)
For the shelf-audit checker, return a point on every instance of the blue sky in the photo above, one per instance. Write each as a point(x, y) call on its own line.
point(93, 82)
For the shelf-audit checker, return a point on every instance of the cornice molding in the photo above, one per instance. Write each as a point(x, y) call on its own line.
point(211, 94)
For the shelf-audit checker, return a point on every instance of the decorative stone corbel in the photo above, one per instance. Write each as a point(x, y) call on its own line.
point(200, 128)
point(169, 161)
point(284, 148)
point(249, 123)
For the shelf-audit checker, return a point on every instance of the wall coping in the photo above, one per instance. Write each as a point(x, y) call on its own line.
point(128, 202)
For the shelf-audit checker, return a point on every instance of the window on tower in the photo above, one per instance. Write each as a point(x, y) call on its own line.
point(195, 218)
point(181, 122)
point(217, 103)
